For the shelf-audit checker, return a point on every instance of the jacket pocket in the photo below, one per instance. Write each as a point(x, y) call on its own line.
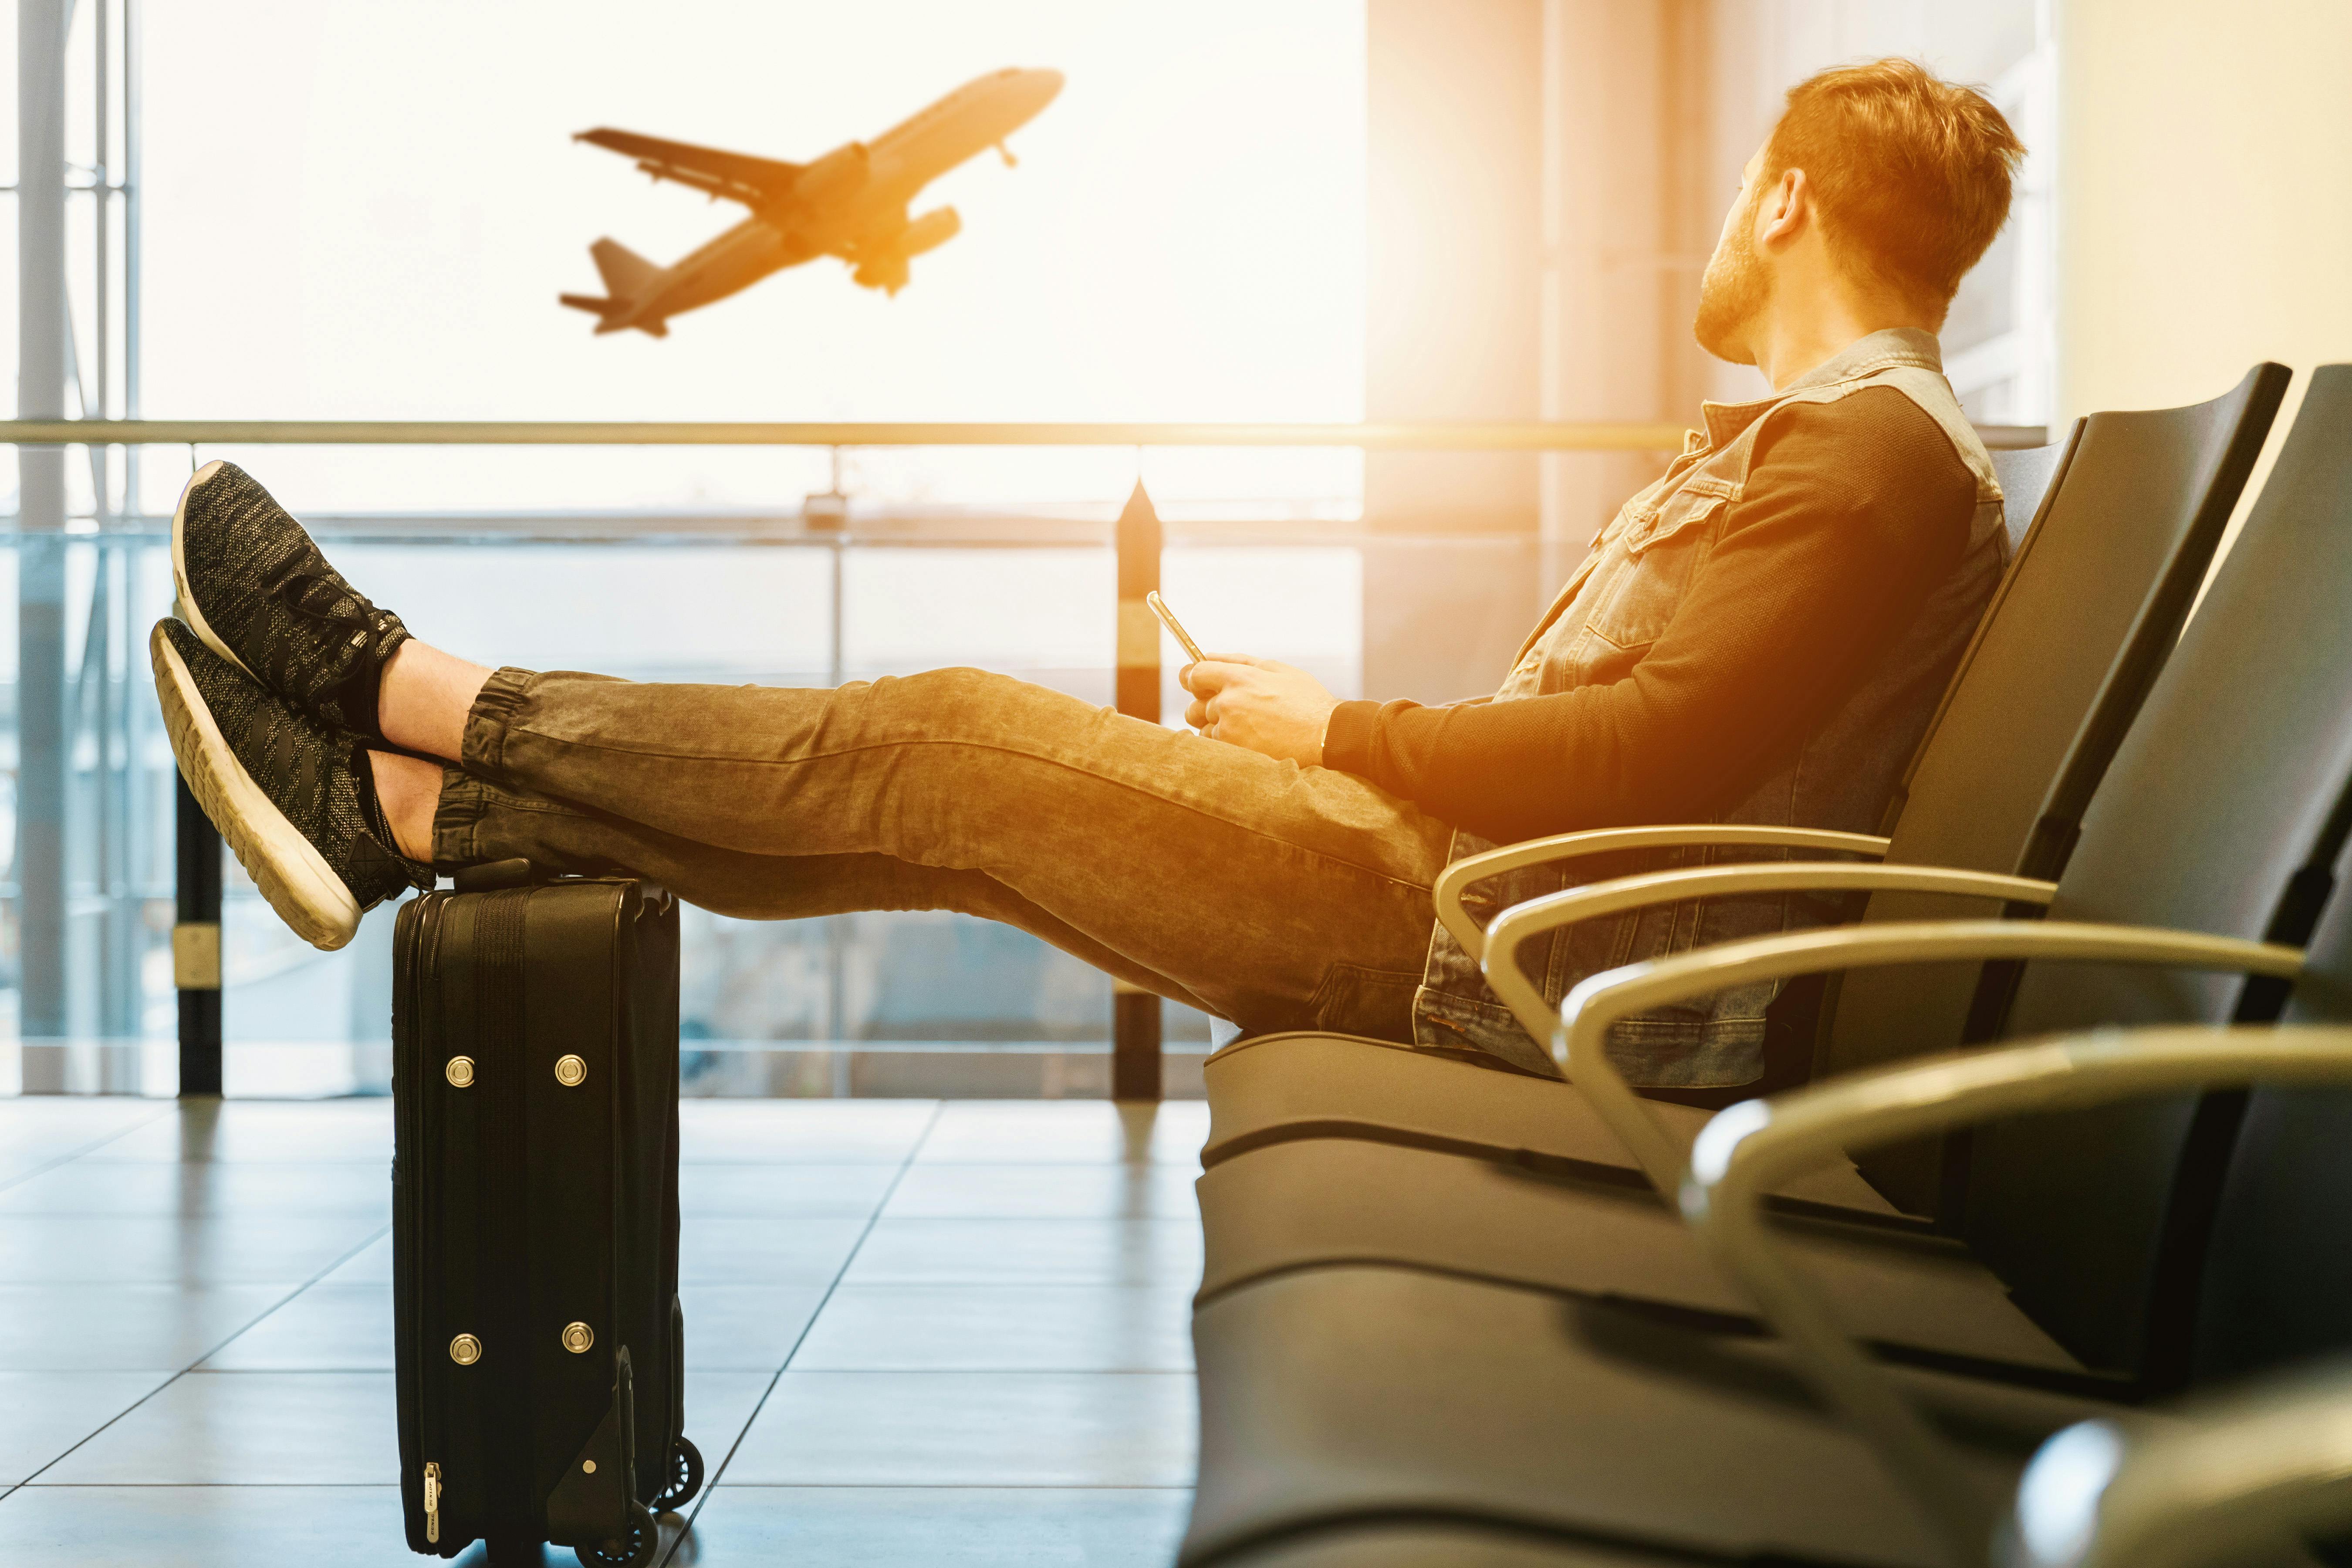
point(1679, 512)
point(1660, 559)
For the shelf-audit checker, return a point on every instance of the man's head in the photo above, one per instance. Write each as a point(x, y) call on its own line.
point(1880, 187)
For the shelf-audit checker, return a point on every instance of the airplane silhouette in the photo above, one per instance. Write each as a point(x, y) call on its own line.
point(851, 203)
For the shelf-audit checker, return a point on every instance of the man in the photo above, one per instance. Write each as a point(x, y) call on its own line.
point(1759, 637)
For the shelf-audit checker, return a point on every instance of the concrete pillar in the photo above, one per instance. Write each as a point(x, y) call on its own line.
point(41, 622)
point(1538, 217)
point(1453, 206)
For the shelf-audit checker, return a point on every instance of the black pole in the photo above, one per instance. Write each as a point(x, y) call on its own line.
point(195, 945)
point(1135, 1012)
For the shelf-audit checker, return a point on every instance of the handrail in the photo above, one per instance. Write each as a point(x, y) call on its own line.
point(1435, 437)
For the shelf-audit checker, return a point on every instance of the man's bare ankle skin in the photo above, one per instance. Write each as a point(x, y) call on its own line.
point(409, 790)
point(424, 699)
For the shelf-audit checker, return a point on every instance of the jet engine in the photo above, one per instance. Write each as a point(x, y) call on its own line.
point(885, 265)
point(929, 232)
point(840, 172)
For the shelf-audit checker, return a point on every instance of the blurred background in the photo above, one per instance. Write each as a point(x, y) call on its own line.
point(1273, 211)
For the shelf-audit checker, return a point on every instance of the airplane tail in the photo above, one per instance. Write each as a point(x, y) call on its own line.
point(625, 273)
point(609, 314)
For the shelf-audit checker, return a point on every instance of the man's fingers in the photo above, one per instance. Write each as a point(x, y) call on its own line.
point(1210, 675)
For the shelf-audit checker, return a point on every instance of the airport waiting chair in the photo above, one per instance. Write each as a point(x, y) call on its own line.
point(2253, 1475)
point(2235, 766)
point(2088, 610)
point(1355, 1401)
point(2085, 615)
point(1342, 1393)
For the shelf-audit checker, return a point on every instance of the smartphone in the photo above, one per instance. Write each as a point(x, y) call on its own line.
point(1175, 628)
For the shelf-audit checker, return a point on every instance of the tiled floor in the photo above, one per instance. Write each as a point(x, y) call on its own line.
point(929, 1333)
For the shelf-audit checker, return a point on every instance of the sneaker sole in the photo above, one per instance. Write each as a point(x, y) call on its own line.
point(287, 868)
point(190, 612)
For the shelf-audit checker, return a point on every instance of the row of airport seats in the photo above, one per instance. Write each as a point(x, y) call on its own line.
point(2076, 1160)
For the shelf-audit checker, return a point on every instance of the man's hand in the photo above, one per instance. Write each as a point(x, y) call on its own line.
point(1256, 703)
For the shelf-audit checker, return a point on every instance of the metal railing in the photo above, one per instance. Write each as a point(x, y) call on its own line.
point(1386, 437)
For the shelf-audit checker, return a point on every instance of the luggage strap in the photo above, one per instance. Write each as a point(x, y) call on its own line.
point(503, 1268)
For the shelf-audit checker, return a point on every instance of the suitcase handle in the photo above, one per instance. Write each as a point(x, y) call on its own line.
point(497, 874)
point(518, 873)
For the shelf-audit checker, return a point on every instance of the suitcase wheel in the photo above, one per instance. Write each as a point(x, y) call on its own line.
point(686, 1478)
point(634, 1551)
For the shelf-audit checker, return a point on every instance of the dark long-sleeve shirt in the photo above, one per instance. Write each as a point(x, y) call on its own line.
point(1852, 513)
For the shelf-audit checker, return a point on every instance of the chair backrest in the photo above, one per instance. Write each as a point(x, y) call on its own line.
point(2025, 474)
point(2219, 813)
point(2085, 617)
point(2276, 1283)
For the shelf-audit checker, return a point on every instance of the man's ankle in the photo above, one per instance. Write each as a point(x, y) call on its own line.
point(424, 698)
point(408, 794)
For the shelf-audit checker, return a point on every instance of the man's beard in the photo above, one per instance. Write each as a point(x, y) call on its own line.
point(1731, 294)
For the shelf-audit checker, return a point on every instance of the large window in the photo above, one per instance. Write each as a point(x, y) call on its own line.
point(353, 211)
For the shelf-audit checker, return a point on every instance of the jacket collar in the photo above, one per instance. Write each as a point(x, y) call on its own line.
point(1864, 356)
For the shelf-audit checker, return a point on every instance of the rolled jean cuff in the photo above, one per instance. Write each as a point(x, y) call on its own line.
point(481, 747)
point(457, 818)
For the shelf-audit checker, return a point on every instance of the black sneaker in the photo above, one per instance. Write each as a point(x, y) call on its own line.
point(256, 589)
point(283, 789)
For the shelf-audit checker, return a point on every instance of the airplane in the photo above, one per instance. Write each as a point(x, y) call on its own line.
point(851, 203)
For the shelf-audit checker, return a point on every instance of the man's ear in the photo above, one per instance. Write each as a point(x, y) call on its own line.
point(1786, 209)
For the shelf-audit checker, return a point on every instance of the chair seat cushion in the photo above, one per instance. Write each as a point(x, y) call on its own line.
point(1274, 1088)
point(1324, 1201)
point(1367, 1394)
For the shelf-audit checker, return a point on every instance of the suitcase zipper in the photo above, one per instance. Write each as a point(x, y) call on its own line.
point(432, 1502)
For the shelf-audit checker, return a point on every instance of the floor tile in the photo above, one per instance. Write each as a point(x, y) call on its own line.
point(247, 1428)
point(1044, 1192)
point(794, 1132)
point(327, 1328)
point(745, 1328)
point(370, 1265)
point(1039, 1252)
point(948, 1429)
point(225, 1527)
point(718, 1404)
point(209, 1527)
point(1083, 1131)
point(1001, 1328)
point(126, 1327)
point(936, 1527)
point(779, 1189)
point(40, 1129)
point(355, 1129)
point(199, 1188)
point(43, 1414)
point(208, 1249)
point(732, 1249)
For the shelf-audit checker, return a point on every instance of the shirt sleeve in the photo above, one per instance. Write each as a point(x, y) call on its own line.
point(1853, 512)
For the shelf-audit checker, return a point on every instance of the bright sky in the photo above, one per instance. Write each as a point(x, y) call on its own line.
point(360, 210)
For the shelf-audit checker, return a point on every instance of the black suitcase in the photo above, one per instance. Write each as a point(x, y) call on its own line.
point(540, 1344)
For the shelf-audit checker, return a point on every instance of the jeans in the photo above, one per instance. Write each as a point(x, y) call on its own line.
point(1271, 895)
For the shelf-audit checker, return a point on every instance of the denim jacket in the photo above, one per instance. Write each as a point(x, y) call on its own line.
point(1841, 776)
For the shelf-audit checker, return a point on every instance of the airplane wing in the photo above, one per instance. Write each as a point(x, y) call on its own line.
point(738, 177)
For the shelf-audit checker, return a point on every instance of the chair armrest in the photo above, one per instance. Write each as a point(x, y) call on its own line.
point(1515, 925)
point(1746, 1150)
point(1579, 1044)
point(2266, 1466)
point(1457, 878)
